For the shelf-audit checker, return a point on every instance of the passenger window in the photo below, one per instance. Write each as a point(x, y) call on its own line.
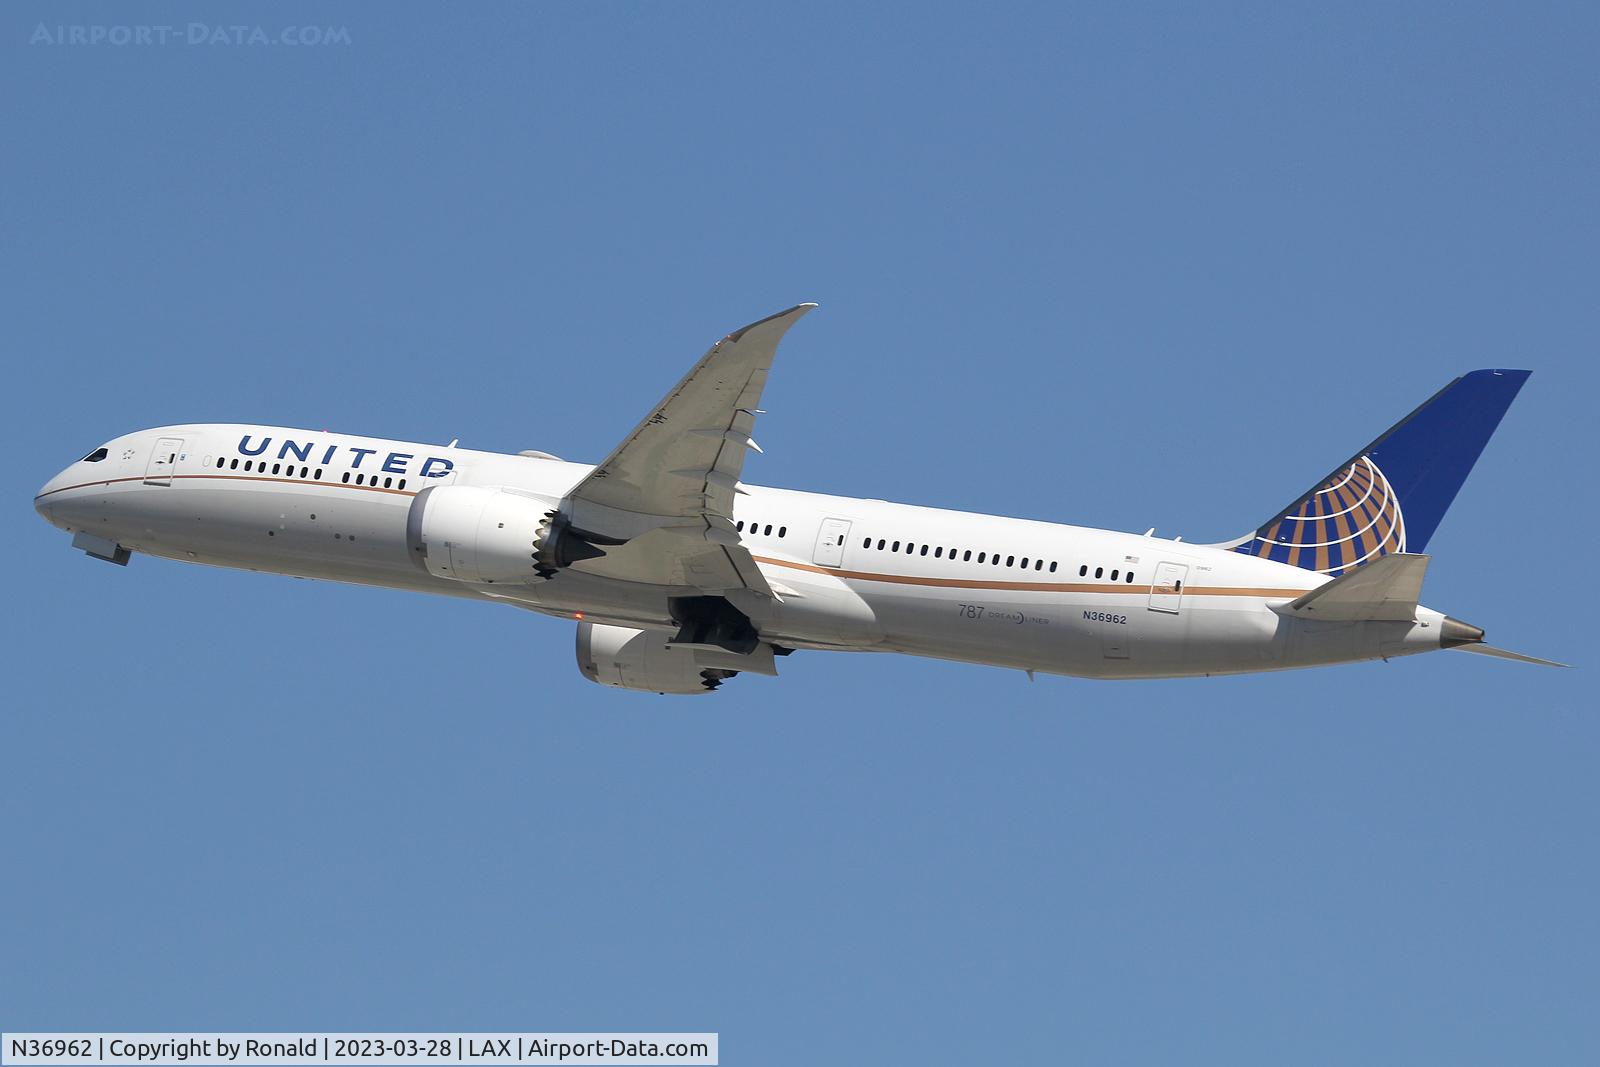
point(1083, 571)
point(782, 530)
point(234, 465)
point(345, 477)
point(768, 531)
point(387, 482)
point(1011, 561)
point(361, 479)
point(880, 544)
point(924, 550)
point(1038, 564)
point(1099, 572)
point(740, 526)
point(277, 468)
point(867, 543)
point(1130, 578)
point(1052, 566)
point(967, 556)
point(981, 556)
point(896, 547)
point(319, 474)
point(938, 553)
point(1024, 562)
point(994, 560)
point(402, 483)
point(1113, 576)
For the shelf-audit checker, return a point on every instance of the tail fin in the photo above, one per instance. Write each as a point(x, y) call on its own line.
point(1390, 496)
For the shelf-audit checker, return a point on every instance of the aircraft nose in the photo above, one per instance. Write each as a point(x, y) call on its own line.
point(44, 499)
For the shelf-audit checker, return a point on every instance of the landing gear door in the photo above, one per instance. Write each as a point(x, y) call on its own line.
point(1166, 590)
point(163, 458)
point(830, 542)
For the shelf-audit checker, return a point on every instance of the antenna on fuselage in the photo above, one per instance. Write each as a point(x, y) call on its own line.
point(453, 442)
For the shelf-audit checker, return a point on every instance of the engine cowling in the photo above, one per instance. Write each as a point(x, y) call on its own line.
point(474, 534)
point(626, 658)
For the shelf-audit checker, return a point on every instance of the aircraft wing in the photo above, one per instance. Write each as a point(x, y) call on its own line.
point(660, 506)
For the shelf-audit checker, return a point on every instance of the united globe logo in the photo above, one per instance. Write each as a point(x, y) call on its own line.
point(1352, 518)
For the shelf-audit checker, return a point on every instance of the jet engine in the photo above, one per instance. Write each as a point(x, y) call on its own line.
point(482, 534)
point(473, 534)
point(626, 658)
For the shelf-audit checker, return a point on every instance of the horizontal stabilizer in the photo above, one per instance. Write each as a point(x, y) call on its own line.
point(1500, 653)
point(1387, 589)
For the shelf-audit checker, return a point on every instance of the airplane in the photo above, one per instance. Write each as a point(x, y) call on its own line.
point(680, 576)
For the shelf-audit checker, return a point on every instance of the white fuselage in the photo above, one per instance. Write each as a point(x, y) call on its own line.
point(1014, 593)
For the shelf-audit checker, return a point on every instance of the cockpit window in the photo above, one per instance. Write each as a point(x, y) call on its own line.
point(94, 457)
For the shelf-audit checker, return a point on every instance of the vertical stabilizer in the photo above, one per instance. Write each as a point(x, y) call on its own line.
point(1390, 496)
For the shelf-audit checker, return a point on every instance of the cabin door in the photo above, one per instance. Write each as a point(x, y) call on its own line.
point(830, 542)
point(1166, 590)
point(163, 458)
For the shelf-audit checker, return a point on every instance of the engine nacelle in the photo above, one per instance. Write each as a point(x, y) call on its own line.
point(473, 534)
point(626, 658)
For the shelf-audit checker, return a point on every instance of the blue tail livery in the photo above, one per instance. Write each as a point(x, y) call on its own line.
point(1390, 496)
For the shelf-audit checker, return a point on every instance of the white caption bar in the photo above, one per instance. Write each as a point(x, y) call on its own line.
point(345, 1050)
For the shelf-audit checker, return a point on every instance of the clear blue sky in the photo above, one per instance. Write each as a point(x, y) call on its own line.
point(1121, 265)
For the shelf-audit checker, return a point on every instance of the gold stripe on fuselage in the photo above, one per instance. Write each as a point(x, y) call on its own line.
point(233, 478)
point(1023, 587)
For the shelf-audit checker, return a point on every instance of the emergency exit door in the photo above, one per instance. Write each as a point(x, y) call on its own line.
point(830, 542)
point(163, 458)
